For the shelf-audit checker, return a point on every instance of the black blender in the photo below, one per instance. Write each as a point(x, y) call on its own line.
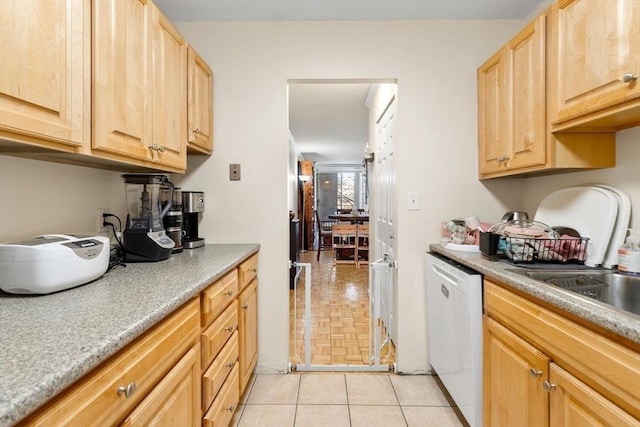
point(144, 238)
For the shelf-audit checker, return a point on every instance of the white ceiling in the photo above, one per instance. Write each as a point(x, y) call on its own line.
point(329, 122)
point(343, 10)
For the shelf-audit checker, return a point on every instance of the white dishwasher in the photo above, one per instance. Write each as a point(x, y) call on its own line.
point(454, 325)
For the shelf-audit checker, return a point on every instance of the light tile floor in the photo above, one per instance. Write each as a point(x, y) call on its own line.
point(349, 399)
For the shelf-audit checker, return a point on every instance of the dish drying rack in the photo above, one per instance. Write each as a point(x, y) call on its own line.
point(530, 250)
point(558, 251)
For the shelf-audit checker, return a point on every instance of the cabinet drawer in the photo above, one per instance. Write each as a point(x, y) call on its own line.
point(225, 404)
point(214, 377)
point(95, 399)
point(608, 367)
point(247, 271)
point(216, 335)
point(175, 400)
point(218, 296)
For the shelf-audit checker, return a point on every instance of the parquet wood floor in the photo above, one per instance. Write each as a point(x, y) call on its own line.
point(339, 315)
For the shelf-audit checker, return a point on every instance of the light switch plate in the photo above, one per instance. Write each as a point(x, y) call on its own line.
point(413, 201)
point(234, 172)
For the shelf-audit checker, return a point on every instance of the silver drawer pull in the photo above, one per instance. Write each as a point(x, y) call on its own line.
point(245, 306)
point(254, 270)
point(196, 131)
point(535, 373)
point(230, 365)
point(229, 408)
point(229, 328)
point(127, 390)
point(229, 293)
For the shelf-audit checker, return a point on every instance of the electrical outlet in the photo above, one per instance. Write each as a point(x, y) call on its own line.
point(102, 228)
point(234, 172)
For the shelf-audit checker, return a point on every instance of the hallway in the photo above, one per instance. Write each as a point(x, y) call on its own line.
point(339, 314)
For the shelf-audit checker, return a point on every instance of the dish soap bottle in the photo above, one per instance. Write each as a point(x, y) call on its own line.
point(629, 256)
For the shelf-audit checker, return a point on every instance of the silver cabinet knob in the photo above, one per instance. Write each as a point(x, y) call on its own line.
point(229, 408)
point(535, 373)
point(245, 306)
point(127, 390)
point(230, 365)
point(502, 159)
point(153, 147)
point(229, 293)
point(629, 77)
point(547, 386)
point(229, 328)
point(196, 131)
point(161, 149)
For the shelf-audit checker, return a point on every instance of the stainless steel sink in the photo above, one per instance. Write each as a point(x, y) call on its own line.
point(621, 291)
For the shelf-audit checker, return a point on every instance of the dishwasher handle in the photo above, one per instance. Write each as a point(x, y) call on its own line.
point(444, 290)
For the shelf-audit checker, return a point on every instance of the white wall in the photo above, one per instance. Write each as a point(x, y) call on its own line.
point(38, 197)
point(434, 63)
point(625, 176)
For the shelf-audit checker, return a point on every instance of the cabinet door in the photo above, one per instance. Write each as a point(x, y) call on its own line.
point(597, 42)
point(46, 70)
point(175, 401)
point(493, 117)
point(513, 373)
point(526, 88)
point(200, 104)
point(248, 328)
point(121, 78)
point(169, 95)
point(573, 403)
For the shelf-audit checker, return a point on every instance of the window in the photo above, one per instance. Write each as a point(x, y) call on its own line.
point(346, 192)
point(339, 187)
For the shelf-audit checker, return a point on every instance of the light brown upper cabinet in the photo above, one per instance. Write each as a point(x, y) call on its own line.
point(46, 70)
point(138, 75)
point(200, 104)
point(514, 135)
point(169, 93)
point(511, 103)
point(594, 64)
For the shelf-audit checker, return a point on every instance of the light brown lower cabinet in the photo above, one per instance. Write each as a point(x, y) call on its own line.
point(248, 326)
point(542, 368)
point(225, 404)
point(141, 380)
point(513, 372)
point(175, 401)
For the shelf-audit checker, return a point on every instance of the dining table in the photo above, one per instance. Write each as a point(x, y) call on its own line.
point(353, 218)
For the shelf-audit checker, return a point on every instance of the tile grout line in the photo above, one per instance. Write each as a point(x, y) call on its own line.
point(398, 399)
point(346, 392)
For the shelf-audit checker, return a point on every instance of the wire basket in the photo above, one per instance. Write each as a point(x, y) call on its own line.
point(557, 251)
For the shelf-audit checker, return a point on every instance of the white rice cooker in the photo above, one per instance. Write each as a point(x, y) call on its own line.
point(52, 262)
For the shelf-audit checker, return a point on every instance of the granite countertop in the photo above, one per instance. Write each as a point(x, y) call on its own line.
point(618, 322)
point(50, 341)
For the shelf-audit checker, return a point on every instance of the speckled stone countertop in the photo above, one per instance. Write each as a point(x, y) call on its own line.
point(49, 341)
point(618, 322)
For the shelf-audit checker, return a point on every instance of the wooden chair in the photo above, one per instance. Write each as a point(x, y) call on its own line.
point(344, 242)
point(323, 233)
point(362, 242)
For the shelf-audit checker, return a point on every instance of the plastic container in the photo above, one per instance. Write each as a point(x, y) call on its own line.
point(629, 256)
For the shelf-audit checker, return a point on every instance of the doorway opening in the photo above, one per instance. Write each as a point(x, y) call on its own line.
point(333, 131)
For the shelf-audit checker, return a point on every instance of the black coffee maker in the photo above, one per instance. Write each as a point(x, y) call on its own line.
point(192, 206)
point(144, 238)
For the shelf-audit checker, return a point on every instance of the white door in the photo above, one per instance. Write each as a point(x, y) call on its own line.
point(384, 183)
